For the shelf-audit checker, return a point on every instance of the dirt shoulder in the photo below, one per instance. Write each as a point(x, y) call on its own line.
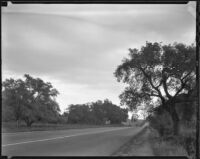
point(139, 145)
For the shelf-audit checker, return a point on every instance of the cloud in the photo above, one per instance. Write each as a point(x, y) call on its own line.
point(81, 45)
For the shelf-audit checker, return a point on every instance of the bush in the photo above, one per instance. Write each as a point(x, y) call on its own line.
point(188, 141)
point(161, 122)
point(165, 148)
point(7, 114)
point(182, 144)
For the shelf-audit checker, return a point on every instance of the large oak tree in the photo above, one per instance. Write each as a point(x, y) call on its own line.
point(30, 100)
point(157, 71)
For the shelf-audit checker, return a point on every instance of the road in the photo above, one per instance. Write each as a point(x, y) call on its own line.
point(74, 142)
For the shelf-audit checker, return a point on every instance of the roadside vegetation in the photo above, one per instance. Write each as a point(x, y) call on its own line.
point(162, 78)
point(11, 127)
point(30, 104)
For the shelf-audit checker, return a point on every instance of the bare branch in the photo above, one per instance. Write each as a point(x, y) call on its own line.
point(183, 83)
point(152, 85)
point(164, 80)
point(152, 94)
point(161, 82)
point(165, 89)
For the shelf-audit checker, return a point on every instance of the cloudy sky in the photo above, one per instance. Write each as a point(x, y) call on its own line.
point(78, 47)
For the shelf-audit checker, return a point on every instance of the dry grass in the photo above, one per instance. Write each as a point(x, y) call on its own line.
point(172, 146)
point(10, 127)
point(165, 148)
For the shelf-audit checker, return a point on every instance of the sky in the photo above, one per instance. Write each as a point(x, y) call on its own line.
point(77, 47)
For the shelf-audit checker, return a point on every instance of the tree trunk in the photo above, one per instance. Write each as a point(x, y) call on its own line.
point(175, 119)
point(28, 122)
point(175, 124)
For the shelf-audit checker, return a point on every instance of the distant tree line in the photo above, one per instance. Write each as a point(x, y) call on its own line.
point(32, 100)
point(98, 112)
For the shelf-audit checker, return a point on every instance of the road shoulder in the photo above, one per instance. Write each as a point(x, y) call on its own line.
point(139, 145)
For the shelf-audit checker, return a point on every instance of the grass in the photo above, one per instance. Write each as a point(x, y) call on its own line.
point(9, 127)
point(173, 146)
point(167, 148)
point(138, 145)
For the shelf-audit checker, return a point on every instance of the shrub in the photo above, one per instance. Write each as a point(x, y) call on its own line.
point(168, 148)
point(188, 141)
point(161, 122)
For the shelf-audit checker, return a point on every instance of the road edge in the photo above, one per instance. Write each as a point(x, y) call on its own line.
point(126, 148)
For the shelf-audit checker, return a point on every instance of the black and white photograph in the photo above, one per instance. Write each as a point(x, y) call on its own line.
point(99, 80)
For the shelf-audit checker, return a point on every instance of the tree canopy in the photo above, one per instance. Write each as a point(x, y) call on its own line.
point(158, 71)
point(97, 113)
point(30, 100)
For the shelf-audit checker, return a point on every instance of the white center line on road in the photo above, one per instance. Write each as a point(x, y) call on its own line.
point(46, 131)
point(61, 137)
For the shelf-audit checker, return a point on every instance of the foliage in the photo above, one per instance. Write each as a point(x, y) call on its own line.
point(78, 113)
point(161, 72)
point(188, 142)
point(187, 110)
point(162, 122)
point(166, 148)
point(30, 100)
point(97, 113)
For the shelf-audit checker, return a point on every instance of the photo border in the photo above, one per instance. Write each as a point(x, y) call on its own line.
point(4, 3)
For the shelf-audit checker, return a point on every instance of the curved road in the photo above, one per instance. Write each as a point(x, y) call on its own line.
point(75, 142)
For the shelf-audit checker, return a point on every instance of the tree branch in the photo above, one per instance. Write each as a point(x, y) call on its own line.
point(183, 83)
point(152, 85)
point(165, 89)
point(160, 84)
point(164, 80)
point(152, 94)
point(186, 75)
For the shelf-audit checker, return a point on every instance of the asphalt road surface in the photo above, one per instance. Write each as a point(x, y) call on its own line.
point(74, 142)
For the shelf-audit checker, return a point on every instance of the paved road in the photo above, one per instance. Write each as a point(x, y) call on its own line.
point(74, 142)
